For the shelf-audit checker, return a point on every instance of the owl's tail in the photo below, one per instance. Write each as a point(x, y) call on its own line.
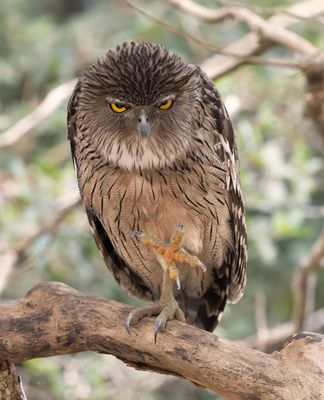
point(205, 312)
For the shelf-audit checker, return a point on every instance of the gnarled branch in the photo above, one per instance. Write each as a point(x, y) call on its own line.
point(56, 319)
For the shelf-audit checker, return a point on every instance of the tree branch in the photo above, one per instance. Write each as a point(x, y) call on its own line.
point(51, 102)
point(250, 44)
point(56, 319)
point(10, 383)
point(255, 22)
point(67, 203)
point(314, 107)
point(237, 54)
point(273, 338)
point(301, 282)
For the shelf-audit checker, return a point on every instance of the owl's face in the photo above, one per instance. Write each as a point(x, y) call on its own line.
point(138, 104)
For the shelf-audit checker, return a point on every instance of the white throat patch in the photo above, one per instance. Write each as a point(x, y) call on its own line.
point(144, 158)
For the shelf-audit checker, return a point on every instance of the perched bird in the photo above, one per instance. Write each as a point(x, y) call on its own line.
point(158, 174)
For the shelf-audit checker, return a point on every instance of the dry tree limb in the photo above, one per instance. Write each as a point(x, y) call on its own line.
point(51, 102)
point(268, 10)
point(273, 338)
point(56, 319)
point(218, 65)
point(67, 203)
point(10, 257)
point(314, 107)
point(10, 384)
point(224, 51)
point(265, 28)
point(301, 282)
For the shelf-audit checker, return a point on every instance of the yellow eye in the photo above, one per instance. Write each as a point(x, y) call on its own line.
point(118, 108)
point(166, 104)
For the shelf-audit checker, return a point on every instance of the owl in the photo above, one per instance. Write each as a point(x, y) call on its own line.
point(158, 173)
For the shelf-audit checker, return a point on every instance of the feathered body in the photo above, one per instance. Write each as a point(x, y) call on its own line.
point(185, 171)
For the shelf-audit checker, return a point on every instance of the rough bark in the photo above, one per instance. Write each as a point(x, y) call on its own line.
point(56, 319)
point(10, 383)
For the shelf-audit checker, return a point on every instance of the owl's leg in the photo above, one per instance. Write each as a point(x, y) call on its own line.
point(166, 309)
point(167, 254)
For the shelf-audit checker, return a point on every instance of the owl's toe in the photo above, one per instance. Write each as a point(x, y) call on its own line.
point(139, 313)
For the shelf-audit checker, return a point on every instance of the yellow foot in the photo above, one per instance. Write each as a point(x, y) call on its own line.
point(166, 310)
point(168, 254)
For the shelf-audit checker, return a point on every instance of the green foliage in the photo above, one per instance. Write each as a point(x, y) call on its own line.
point(281, 175)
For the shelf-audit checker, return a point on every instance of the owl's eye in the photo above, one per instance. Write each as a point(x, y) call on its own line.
point(166, 104)
point(117, 107)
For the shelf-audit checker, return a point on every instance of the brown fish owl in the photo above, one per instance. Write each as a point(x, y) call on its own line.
point(158, 174)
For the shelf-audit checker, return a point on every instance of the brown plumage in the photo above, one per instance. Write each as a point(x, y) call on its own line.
point(145, 168)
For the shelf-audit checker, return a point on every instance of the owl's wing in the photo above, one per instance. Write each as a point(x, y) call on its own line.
point(227, 152)
point(121, 271)
point(228, 280)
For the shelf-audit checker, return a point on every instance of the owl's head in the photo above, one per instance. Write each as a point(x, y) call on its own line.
point(138, 103)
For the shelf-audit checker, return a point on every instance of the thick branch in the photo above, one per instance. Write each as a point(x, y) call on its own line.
point(56, 319)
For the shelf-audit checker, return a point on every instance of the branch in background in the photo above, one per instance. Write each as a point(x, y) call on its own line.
point(238, 55)
point(56, 319)
point(273, 338)
point(67, 203)
point(215, 66)
point(265, 28)
point(302, 282)
point(268, 10)
point(10, 383)
point(314, 107)
point(261, 322)
point(10, 257)
point(52, 101)
point(218, 65)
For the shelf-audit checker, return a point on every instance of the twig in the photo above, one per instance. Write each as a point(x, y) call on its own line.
point(56, 319)
point(10, 257)
point(51, 102)
point(301, 283)
point(68, 202)
point(266, 29)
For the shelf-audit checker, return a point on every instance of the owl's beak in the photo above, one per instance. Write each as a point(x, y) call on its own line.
point(144, 125)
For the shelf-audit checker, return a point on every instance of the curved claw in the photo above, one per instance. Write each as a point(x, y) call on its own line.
point(178, 283)
point(202, 266)
point(127, 323)
point(157, 329)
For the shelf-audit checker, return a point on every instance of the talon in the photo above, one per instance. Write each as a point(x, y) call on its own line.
point(178, 283)
point(202, 266)
point(157, 329)
point(127, 323)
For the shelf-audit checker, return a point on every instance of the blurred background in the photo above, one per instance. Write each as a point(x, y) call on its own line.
point(44, 234)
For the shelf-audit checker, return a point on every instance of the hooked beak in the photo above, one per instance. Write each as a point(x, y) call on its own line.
point(144, 125)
